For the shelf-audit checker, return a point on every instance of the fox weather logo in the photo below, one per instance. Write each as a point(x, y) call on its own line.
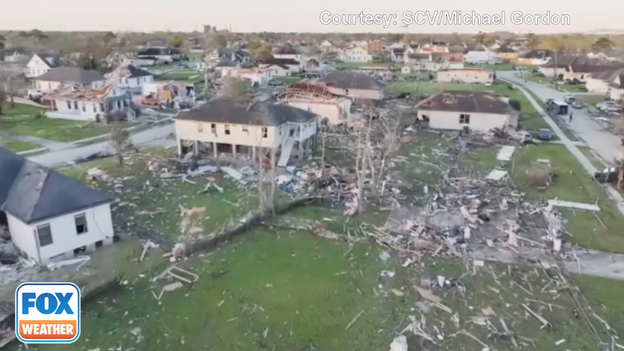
point(47, 313)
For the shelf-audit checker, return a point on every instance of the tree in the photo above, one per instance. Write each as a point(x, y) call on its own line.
point(263, 53)
point(602, 44)
point(215, 41)
point(480, 38)
point(3, 98)
point(234, 88)
point(553, 44)
point(386, 131)
point(108, 37)
point(119, 140)
point(176, 41)
point(532, 41)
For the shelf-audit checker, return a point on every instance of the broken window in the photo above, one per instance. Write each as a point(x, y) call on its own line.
point(200, 127)
point(213, 128)
point(265, 132)
point(81, 223)
point(464, 119)
point(44, 234)
point(69, 105)
point(227, 129)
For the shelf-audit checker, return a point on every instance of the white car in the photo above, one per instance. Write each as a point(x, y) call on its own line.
point(609, 107)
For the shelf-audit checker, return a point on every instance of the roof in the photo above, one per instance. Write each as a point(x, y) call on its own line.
point(591, 68)
point(71, 75)
point(286, 50)
point(456, 49)
point(619, 85)
point(536, 54)
point(463, 101)
point(100, 94)
point(398, 50)
point(418, 56)
point(562, 61)
point(352, 80)
point(306, 91)
point(51, 60)
point(505, 49)
point(278, 61)
point(158, 52)
point(260, 113)
point(33, 193)
point(128, 71)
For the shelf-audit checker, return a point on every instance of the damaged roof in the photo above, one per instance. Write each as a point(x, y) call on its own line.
point(128, 71)
point(261, 113)
point(51, 60)
point(71, 75)
point(462, 101)
point(33, 193)
point(351, 80)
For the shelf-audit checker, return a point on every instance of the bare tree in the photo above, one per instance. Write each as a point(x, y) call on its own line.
point(386, 137)
point(119, 140)
point(234, 88)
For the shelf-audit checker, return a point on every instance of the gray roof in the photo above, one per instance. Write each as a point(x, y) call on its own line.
point(136, 72)
point(260, 113)
point(33, 193)
point(463, 101)
point(51, 60)
point(71, 75)
point(352, 80)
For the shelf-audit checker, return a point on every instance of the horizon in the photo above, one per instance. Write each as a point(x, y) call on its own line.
point(275, 16)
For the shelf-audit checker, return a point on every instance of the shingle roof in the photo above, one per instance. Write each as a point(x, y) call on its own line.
point(352, 80)
point(71, 75)
point(50, 59)
point(33, 193)
point(260, 113)
point(460, 101)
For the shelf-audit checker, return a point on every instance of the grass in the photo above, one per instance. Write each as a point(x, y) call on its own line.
point(18, 146)
point(573, 184)
point(193, 56)
point(501, 67)
point(290, 80)
point(171, 195)
point(591, 99)
point(592, 157)
point(27, 120)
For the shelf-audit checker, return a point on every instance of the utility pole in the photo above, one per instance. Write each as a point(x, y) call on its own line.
point(556, 72)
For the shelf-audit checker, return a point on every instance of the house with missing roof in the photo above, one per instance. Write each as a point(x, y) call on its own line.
point(40, 64)
point(467, 75)
point(287, 52)
point(317, 98)
point(457, 110)
point(354, 85)
point(607, 83)
point(240, 129)
point(50, 216)
point(74, 76)
point(129, 77)
point(582, 71)
point(355, 54)
point(89, 104)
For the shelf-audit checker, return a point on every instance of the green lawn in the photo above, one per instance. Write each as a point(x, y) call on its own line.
point(290, 80)
point(592, 157)
point(573, 184)
point(501, 67)
point(27, 120)
point(195, 56)
point(363, 64)
point(18, 146)
point(591, 99)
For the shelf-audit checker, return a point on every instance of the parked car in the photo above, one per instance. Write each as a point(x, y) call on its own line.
point(576, 105)
point(569, 99)
point(609, 106)
point(607, 175)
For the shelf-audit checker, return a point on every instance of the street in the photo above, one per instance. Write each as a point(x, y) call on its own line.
point(602, 142)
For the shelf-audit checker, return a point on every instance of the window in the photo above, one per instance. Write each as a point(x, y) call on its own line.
point(81, 223)
point(227, 129)
point(265, 132)
point(75, 105)
point(69, 105)
point(464, 119)
point(101, 107)
point(245, 130)
point(200, 127)
point(213, 128)
point(44, 234)
point(84, 107)
point(94, 107)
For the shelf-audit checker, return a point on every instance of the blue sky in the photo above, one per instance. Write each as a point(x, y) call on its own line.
point(290, 16)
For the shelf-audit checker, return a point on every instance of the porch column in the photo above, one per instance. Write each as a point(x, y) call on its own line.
point(214, 150)
point(253, 153)
point(234, 150)
point(196, 148)
point(300, 149)
point(180, 148)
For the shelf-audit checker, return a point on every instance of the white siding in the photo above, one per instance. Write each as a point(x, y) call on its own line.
point(358, 93)
point(334, 112)
point(65, 238)
point(478, 121)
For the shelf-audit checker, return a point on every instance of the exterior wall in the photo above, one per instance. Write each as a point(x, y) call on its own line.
point(36, 67)
point(508, 55)
point(293, 56)
point(358, 93)
point(616, 94)
point(45, 85)
point(86, 111)
point(356, 55)
point(465, 76)
point(551, 72)
point(597, 86)
point(335, 112)
point(478, 121)
point(201, 131)
point(64, 236)
point(277, 71)
point(132, 82)
point(579, 76)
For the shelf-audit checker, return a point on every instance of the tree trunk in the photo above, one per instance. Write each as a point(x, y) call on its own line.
point(273, 185)
point(120, 158)
point(322, 156)
point(12, 101)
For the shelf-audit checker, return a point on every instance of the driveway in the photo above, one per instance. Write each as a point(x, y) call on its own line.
point(150, 137)
point(601, 141)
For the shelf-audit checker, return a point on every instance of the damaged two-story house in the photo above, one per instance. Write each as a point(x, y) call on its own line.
point(354, 85)
point(317, 98)
point(50, 216)
point(235, 128)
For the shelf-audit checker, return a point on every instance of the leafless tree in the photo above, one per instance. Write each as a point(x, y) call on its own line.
point(384, 144)
point(119, 140)
point(233, 88)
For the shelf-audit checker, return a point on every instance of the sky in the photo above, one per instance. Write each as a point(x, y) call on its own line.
point(305, 16)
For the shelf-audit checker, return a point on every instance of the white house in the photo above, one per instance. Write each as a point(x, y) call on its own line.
point(255, 76)
point(600, 82)
point(223, 126)
point(50, 216)
point(88, 104)
point(317, 98)
point(582, 72)
point(287, 52)
point(129, 76)
point(40, 64)
point(616, 89)
point(293, 66)
point(354, 85)
point(15, 56)
point(456, 110)
point(277, 70)
point(468, 75)
point(327, 46)
point(483, 58)
point(161, 54)
point(65, 76)
point(356, 54)
point(397, 54)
